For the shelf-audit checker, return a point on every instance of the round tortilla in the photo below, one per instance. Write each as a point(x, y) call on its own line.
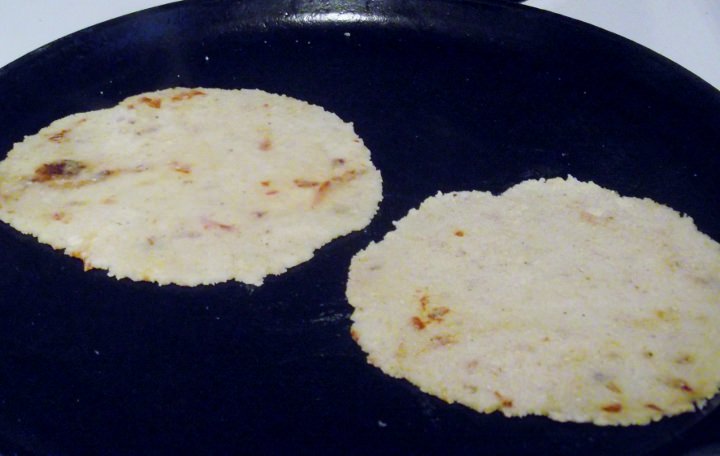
point(192, 186)
point(556, 298)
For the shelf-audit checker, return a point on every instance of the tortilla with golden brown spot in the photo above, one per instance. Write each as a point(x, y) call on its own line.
point(556, 298)
point(192, 185)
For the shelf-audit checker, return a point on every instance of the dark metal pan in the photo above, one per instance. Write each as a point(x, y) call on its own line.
point(448, 95)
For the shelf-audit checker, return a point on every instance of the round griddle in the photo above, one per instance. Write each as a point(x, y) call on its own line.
point(448, 95)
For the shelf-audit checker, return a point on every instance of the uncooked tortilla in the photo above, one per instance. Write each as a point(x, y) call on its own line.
point(192, 186)
point(556, 298)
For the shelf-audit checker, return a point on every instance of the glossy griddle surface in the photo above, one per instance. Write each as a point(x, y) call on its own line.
point(448, 95)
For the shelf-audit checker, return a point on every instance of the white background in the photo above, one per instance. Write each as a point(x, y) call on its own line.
point(686, 31)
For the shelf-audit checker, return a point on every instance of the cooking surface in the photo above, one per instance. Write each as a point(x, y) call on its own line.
point(447, 96)
point(685, 32)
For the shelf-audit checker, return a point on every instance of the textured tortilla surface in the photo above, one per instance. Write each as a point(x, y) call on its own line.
point(556, 298)
point(192, 186)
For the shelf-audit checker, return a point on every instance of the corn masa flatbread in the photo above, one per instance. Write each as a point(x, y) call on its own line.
point(556, 298)
point(192, 185)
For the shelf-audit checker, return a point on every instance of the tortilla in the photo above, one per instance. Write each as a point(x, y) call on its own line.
point(192, 186)
point(556, 298)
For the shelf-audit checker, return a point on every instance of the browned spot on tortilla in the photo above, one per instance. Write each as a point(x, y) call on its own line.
point(106, 173)
point(459, 233)
point(271, 192)
point(265, 183)
point(58, 174)
point(354, 335)
point(685, 359)
point(147, 130)
point(183, 168)
point(57, 169)
point(259, 214)
point(213, 224)
point(654, 407)
point(338, 162)
point(59, 136)
point(58, 216)
point(347, 176)
point(429, 315)
point(417, 323)
point(668, 315)
point(472, 365)
point(504, 401)
point(613, 408)
point(589, 218)
point(265, 144)
point(187, 95)
point(325, 186)
point(303, 183)
point(437, 313)
point(424, 300)
point(594, 219)
point(442, 340)
point(321, 192)
point(612, 386)
point(151, 240)
point(152, 102)
point(680, 384)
